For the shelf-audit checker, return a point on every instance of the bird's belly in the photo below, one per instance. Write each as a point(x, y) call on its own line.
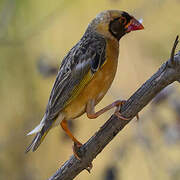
point(94, 90)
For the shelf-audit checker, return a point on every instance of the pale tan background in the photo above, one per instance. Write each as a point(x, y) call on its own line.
point(32, 29)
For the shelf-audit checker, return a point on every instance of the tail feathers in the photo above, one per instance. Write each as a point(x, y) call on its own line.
point(37, 128)
point(35, 143)
point(38, 139)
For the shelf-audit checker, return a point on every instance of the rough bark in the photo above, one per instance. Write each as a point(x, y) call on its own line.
point(168, 73)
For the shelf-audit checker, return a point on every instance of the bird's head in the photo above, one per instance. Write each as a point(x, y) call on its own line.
point(114, 24)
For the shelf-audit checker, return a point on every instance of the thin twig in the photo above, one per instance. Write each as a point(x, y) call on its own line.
point(173, 50)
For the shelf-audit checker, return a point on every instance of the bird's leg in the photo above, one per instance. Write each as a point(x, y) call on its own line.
point(90, 109)
point(77, 144)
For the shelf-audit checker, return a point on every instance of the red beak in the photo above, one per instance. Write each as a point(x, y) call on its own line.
point(134, 25)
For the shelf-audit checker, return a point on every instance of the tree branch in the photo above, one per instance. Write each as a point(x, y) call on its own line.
point(167, 74)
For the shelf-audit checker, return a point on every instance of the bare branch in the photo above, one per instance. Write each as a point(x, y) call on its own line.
point(163, 77)
point(173, 49)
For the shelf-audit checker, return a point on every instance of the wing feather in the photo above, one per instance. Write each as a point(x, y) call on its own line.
point(76, 71)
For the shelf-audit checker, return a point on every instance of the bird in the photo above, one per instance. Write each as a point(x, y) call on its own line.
point(85, 75)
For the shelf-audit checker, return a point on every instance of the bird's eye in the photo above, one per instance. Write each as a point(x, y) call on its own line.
point(115, 26)
point(123, 20)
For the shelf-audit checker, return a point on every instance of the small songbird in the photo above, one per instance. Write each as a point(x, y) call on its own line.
point(85, 75)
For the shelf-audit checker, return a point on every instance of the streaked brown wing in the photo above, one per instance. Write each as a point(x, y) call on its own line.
point(83, 58)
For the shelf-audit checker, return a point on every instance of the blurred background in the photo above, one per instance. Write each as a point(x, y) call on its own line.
point(34, 37)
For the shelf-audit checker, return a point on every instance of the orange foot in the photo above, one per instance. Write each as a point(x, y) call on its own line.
point(118, 114)
point(76, 147)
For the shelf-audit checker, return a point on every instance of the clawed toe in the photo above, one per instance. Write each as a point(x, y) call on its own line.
point(118, 114)
point(76, 148)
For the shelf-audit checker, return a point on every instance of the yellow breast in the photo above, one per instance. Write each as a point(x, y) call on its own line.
point(98, 86)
